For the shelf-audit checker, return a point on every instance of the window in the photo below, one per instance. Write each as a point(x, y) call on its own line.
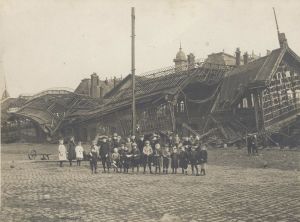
point(182, 108)
point(245, 103)
point(290, 94)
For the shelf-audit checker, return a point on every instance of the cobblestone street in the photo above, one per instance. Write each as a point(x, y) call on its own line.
point(41, 191)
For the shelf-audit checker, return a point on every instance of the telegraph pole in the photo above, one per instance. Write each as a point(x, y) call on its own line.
point(133, 69)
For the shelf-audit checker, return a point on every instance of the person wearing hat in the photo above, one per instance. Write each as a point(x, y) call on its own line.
point(62, 152)
point(147, 153)
point(94, 154)
point(136, 157)
point(157, 155)
point(115, 141)
point(126, 159)
point(166, 158)
point(170, 141)
point(133, 139)
point(141, 143)
point(183, 160)
point(154, 141)
point(71, 150)
point(203, 159)
point(174, 160)
point(121, 151)
point(187, 144)
point(128, 144)
point(104, 154)
point(194, 160)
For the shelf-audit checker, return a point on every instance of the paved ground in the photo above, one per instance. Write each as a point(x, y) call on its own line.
point(41, 191)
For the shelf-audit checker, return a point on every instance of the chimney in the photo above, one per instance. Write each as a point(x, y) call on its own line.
point(115, 81)
point(237, 57)
point(245, 58)
point(101, 92)
point(191, 61)
point(106, 81)
point(94, 84)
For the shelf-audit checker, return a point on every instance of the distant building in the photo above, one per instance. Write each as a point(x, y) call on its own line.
point(94, 87)
point(180, 59)
point(183, 62)
point(223, 58)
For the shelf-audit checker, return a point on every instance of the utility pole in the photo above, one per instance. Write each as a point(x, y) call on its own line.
point(133, 69)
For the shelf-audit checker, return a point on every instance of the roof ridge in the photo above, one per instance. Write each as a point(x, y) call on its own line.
point(267, 60)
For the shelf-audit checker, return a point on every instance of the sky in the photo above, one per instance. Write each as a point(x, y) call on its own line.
point(56, 43)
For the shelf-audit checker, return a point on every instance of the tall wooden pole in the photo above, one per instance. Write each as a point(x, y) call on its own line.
point(133, 69)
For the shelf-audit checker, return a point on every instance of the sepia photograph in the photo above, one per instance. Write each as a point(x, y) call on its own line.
point(150, 111)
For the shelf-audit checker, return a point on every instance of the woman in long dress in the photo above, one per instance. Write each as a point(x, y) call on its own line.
point(62, 152)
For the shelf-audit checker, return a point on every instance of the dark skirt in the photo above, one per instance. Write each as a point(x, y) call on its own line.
point(157, 161)
point(174, 163)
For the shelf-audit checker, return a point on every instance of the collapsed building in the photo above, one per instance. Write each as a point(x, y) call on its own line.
point(220, 99)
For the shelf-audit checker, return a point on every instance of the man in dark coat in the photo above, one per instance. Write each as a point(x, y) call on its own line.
point(203, 159)
point(104, 153)
point(254, 144)
point(194, 160)
point(249, 144)
point(140, 144)
point(136, 157)
point(174, 160)
point(115, 141)
point(183, 160)
point(71, 150)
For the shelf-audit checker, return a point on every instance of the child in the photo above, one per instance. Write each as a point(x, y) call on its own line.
point(126, 159)
point(62, 152)
point(157, 157)
point(121, 151)
point(79, 153)
point(147, 154)
point(129, 144)
point(166, 159)
point(136, 156)
point(174, 160)
point(94, 154)
point(183, 160)
point(115, 160)
point(194, 160)
point(203, 159)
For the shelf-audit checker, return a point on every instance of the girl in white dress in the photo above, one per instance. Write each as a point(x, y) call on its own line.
point(79, 153)
point(62, 152)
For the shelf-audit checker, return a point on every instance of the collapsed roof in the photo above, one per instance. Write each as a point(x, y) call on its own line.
point(255, 74)
point(49, 108)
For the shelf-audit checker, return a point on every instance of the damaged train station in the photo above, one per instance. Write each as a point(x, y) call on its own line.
point(220, 99)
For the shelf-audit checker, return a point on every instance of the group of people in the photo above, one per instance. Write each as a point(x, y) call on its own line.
point(135, 153)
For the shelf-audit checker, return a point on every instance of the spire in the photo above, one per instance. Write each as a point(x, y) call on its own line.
point(281, 36)
point(180, 46)
point(5, 93)
point(276, 20)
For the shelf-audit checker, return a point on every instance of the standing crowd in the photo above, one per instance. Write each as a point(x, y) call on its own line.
point(120, 155)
